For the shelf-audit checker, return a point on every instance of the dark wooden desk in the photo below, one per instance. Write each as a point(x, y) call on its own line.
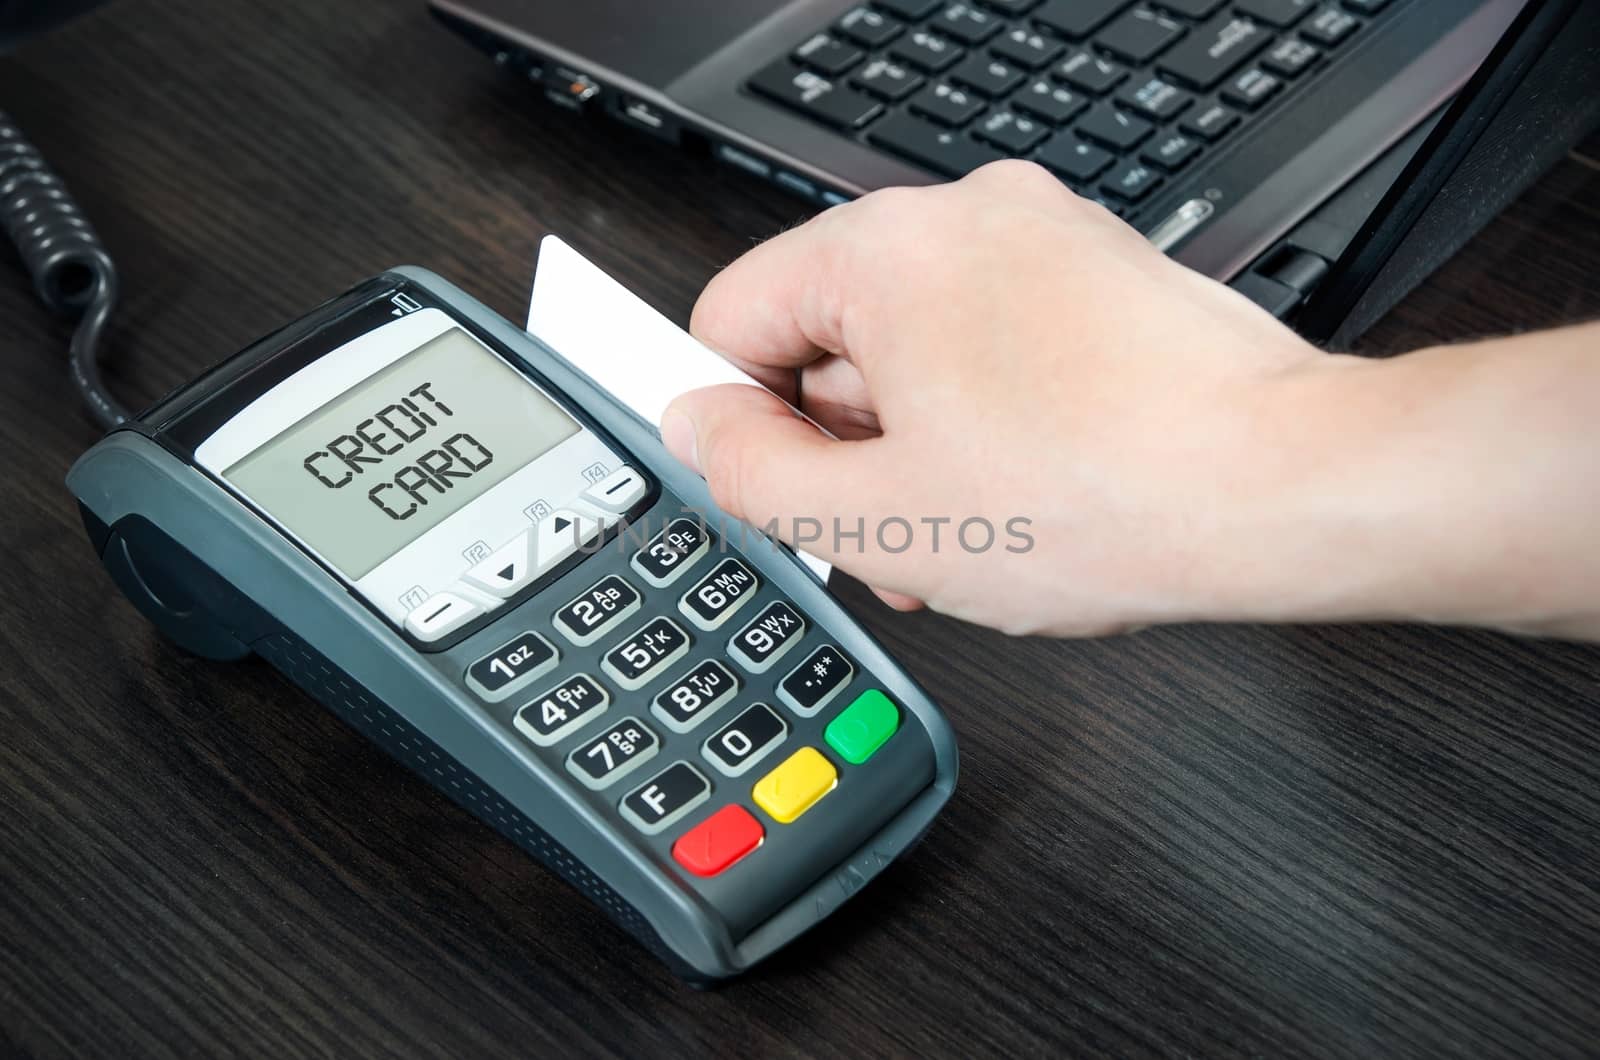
point(1190, 841)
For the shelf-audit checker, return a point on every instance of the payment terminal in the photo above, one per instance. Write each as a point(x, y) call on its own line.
point(434, 525)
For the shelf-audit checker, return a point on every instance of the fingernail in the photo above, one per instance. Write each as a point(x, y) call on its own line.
point(677, 434)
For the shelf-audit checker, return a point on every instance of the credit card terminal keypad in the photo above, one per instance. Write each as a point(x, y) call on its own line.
point(673, 687)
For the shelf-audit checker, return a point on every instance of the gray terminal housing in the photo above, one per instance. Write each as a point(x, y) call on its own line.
point(221, 581)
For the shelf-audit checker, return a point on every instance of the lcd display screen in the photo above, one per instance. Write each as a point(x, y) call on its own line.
point(398, 453)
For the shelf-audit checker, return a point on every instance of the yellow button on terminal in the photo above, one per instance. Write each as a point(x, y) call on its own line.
point(796, 785)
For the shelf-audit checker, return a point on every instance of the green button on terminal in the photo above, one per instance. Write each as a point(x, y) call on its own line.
point(862, 727)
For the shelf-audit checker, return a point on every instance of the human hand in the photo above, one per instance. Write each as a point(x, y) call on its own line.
point(1143, 443)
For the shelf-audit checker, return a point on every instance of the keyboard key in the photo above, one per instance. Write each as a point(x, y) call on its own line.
point(1366, 7)
point(562, 710)
point(1113, 128)
point(1026, 48)
point(947, 104)
point(887, 80)
point(815, 95)
point(561, 533)
point(718, 842)
point(1154, 98)
point(1215, 50)
point(828, 55)
point(618, 751)
point(646, 652)
point(966, 23)
point(665, 798)
point(1171, 151)
point(1210, 121)
point(739, 745)
point(863, 727)
point(868, 28)
point(587, 617)
point(666, 556)
point(1139, 36)
point(1191, 8)
point(1290, 57)
point(941, 150)
point(507, 570)
point(1131, 181)
point(1251, 89)
point(813, 684)
point(618, 491)
point(695, 696)
point(1090, 73)
point(796, 785)
point(991, 77)
point(441, 614)
point(1329, 26)
point(516, 663)
point(769, 635)
point(1280, 13)
point(911, 10)
point(1013, 133)
point(1047, 100)
point(1074, 158)
point(1012, 7)
point(928, 52)
point(1076, 18)
point(713, 599)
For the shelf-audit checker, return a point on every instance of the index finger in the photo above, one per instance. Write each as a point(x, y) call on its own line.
point(779, 306)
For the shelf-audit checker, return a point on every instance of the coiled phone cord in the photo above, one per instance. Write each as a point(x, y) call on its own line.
point(71, 270)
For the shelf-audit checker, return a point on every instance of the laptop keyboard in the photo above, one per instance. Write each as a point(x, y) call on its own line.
point(1114, 96)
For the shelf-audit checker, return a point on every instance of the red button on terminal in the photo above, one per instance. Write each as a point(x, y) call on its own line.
point(717, 842)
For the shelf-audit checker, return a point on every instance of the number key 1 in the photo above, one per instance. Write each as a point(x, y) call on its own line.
point(512, 666)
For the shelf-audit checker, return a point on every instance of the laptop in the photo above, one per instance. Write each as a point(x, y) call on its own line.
point(1253, 140)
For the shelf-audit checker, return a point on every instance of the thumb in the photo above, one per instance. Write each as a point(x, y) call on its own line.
point(763, 462)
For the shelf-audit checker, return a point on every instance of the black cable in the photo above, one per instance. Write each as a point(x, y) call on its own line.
point(71, 270)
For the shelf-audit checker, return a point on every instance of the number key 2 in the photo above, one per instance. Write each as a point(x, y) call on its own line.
point(599, 607)
point(774, 631)
point(619, 750)
point(650, 649)
point(565, 708)
point(695, 696)
point(715, 598)
point(671, 552)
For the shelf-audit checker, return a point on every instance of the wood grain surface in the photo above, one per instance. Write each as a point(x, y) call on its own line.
point(1195, 841)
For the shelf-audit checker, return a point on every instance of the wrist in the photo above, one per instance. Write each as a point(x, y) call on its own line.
point(1440, 487)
